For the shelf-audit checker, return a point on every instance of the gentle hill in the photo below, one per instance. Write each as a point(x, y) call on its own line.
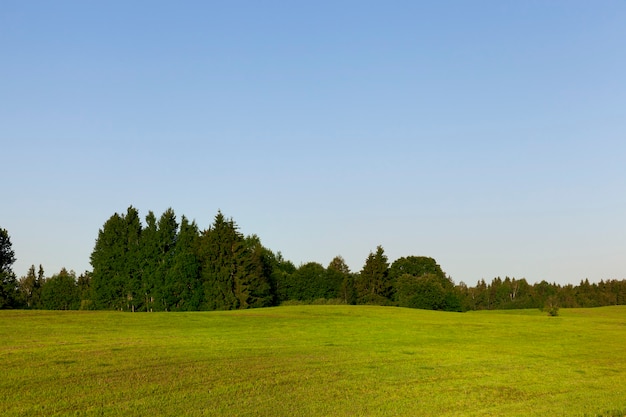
point(314, 361)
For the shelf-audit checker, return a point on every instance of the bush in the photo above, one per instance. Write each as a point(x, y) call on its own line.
point(551, 307)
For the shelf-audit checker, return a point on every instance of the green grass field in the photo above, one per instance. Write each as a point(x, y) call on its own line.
point(314, 361)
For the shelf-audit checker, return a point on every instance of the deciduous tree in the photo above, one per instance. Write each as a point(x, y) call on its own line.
point(60, 292)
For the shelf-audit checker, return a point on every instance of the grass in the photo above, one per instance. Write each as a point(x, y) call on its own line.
point(314, 361)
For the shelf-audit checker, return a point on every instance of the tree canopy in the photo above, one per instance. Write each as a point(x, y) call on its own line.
point(163, 264)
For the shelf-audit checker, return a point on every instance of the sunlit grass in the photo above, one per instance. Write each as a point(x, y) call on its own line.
point(314, 360)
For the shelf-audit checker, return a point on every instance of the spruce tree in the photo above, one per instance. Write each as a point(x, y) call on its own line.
point(341, 279)
point(255, 287)
point(132, 260)
point(8, 281)
point(184, 273)
point(149, 264)
point(116, 280)
point(220, 249)
point(373, 285)
point(167, 235)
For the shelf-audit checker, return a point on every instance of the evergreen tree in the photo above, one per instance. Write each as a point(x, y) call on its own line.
point(150, 264)
point(9, 294)
point(116, 262)
point(106, 260)
point(373, 285)
point(221, 248)
point(41, 276)
point(132, 260)
point(341, 279)
point(83, 287)
point(255, 287)
point(167, 235)
point(30, 289)
point(7, 255)
point(183, 276)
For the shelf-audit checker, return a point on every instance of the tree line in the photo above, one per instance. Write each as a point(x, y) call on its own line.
point(166, 265)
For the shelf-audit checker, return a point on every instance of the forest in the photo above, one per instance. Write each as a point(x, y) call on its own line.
point(167, 265)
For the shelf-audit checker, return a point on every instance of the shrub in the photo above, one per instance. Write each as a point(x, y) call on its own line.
point(551, 307)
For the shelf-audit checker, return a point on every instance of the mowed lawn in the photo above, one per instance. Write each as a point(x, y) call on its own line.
point(314, 361)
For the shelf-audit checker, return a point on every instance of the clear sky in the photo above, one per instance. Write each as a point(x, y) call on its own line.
point(490, 135)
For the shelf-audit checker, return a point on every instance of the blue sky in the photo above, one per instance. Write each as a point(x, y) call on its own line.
point(490, 135)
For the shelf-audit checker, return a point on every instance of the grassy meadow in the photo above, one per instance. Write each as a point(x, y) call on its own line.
point(314, 361)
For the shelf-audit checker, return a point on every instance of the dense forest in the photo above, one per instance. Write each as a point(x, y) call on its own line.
point(164, 265)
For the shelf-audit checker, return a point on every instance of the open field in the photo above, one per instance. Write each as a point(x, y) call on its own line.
point(314, 361)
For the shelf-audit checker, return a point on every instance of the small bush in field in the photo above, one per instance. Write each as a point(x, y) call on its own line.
point(551, 307)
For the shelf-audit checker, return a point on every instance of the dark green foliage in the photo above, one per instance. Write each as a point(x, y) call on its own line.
point(117, 263)
point(165, 266)
point(83, 286)
point(7, 255)
point(60, 292)
point(166, 293)
point(183, 276)
point(150, 265)
point(342, 280)
point(9, 295)
point(513, 293)
point(426, 292)
point(416, 266)
point(236, 272)
point(373, 285)
point(419, 282)
point(131, 270)
point(221, 251)
point(258, 288)
point(281, 277)
point(309, 283)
